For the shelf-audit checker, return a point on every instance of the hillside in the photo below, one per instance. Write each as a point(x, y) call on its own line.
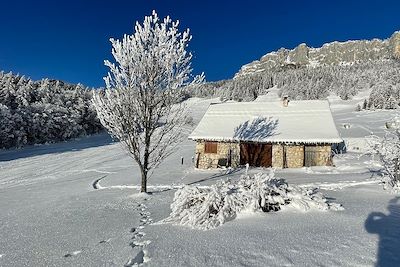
point(340, 68)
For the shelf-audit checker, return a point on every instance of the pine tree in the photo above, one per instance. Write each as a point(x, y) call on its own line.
point(365, 103)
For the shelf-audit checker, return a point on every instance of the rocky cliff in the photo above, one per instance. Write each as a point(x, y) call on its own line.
point(334, 53)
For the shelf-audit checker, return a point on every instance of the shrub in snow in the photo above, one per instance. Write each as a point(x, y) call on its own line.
point(207, 208)
point(388, 150)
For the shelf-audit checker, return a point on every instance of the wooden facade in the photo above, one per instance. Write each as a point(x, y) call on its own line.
point(257, 155)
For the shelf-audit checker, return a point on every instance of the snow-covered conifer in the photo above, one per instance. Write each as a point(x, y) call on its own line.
point(43, 111)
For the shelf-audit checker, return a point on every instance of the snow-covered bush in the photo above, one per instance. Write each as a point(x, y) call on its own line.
point(388, 151)
point(209, 207)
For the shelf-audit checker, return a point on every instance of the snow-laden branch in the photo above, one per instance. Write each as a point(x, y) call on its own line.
point(207, 208)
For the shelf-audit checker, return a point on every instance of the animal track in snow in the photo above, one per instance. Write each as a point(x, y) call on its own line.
point(74, 253)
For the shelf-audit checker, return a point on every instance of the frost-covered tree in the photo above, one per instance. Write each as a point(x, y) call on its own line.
point(388, 150)
point(385, 96)
point(7, 127)
point(141, 103)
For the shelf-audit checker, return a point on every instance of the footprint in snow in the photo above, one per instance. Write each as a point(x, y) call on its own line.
point(105, 241)
point(72, 254)
point(139, 235)
point(139, 259)
point(138, 244)
point(137, 239)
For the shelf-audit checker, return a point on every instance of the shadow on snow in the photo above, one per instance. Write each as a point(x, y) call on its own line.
point(67, 146)
point(387, 227)
point(257, 129)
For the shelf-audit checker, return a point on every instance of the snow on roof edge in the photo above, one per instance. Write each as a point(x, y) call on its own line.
point(314, 141)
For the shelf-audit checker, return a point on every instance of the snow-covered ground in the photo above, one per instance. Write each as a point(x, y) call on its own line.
point(52, 215)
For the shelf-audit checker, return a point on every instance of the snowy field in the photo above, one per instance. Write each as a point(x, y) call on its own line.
point(52, 215)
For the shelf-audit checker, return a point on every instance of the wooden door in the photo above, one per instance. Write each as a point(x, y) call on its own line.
point(257, 155)
point(310, 156)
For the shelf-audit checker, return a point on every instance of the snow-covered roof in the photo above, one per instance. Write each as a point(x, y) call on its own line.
point(308, 121)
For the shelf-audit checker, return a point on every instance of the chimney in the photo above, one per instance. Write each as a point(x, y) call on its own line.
point(285, 101)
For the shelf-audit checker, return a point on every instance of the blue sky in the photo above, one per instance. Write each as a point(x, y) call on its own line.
point(68, 40)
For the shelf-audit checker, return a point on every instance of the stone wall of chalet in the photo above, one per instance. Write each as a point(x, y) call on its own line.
point(323, 155)
point(277, 156)
point(294, 155)
point(213, 160)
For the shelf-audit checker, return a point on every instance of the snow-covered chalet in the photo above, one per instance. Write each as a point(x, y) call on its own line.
point(268, 134)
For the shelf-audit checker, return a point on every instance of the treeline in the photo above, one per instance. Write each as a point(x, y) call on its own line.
point(381, 77)
point(36, 112)
point(246, 88)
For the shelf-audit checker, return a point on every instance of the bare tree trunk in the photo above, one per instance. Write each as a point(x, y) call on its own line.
point(144, 181)
point(144, 170)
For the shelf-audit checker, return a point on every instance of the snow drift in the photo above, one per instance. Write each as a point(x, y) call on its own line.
point(208, 208)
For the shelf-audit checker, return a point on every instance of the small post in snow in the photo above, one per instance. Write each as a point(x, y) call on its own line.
point(247, 167)
point(182, 160)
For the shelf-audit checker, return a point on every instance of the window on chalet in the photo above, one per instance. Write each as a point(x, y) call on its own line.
point(210, 147)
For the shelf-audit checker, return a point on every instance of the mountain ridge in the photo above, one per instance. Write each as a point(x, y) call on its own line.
point(332, 53)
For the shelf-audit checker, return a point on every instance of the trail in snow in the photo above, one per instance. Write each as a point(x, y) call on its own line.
point(96, 184)
point(139, 243)
point(339, 185)
point(95, 170)
point(153, 188)
point(160, 188)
